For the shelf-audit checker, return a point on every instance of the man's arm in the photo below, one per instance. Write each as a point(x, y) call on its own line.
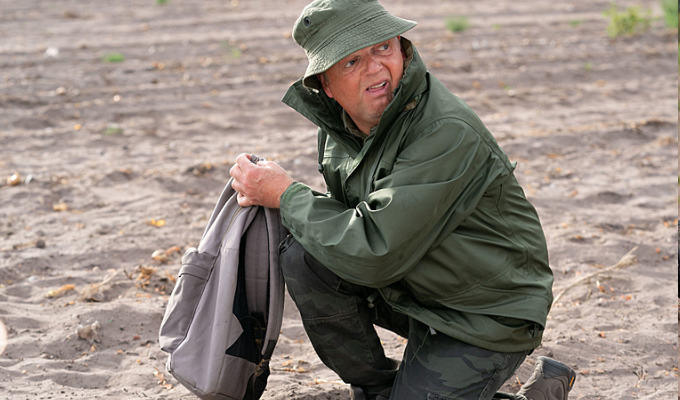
point(434, 184)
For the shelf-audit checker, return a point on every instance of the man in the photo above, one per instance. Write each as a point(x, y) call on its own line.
point(425, 230)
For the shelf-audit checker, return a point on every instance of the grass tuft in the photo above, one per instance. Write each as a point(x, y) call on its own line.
point(114, 58)
point(670, 13)
point(629, 22)
point(113, 129)
point(457, 24)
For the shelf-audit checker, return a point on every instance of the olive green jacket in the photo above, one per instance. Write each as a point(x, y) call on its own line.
point(427, 209)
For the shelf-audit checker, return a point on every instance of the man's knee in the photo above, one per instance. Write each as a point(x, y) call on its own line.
point(443, 367)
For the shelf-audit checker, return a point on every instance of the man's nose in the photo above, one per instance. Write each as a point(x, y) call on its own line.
point(374, 65)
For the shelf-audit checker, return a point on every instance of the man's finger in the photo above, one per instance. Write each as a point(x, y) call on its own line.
point(242, 200)
point(244, 162)
point(236, 186)
point(235, 172)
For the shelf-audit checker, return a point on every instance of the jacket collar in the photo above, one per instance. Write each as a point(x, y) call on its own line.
point(327, 114)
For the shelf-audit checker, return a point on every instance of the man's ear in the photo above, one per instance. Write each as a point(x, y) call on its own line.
point(401, 48)
point(324, 84)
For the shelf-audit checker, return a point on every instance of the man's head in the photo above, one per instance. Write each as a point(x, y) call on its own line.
point(353, 48)
point(363, 83)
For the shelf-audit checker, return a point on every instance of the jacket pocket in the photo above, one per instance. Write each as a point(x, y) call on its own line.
point(191, 281)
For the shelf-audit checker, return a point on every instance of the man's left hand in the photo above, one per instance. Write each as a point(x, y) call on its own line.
point(260, 184)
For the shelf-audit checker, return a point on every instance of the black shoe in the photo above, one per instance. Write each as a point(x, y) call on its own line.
point(357, 393)
point(551, 380)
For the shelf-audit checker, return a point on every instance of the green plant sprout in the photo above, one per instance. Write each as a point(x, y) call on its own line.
point(457, 23)
point(114, 57)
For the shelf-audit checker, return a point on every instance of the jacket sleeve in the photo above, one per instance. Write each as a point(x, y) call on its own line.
point(435, 182)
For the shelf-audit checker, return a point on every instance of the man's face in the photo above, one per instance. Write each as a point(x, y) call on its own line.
point(363, 82)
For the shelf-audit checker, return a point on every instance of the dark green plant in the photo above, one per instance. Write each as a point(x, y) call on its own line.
point(457, 23)
point(629, 22)
point(161, 2)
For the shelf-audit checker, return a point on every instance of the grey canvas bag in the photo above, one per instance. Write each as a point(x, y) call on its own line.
point(224, 315)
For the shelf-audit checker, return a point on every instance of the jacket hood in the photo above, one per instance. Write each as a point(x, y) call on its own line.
point(326, 113)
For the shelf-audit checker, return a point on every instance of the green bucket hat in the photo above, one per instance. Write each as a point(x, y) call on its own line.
point(330, 30)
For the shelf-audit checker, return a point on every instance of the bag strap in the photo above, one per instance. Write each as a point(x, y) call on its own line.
point(276, 286)
point(227, 192)
point(321, 143)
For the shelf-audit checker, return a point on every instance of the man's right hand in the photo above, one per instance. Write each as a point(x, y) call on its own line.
point(260, 184)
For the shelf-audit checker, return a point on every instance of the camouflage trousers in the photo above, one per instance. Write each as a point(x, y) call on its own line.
point(339, 319)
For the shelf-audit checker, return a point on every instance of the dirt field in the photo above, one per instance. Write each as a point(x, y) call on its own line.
point(120, 159)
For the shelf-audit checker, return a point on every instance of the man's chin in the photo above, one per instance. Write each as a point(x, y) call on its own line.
point(378, 106)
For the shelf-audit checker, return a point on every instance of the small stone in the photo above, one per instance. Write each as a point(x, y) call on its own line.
point(91, 333)
point(40, 244)
point(160, 256)
point(52, 52)
point(14, 179)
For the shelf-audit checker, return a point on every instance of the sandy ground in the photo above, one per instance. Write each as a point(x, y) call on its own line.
point(120, 159)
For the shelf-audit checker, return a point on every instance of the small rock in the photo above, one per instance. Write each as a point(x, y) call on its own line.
point(103, 230)
point(160, 256)
point(40, 244)
point(94, 292)
point(52, 52)
point(14, 179)
point(91, 333)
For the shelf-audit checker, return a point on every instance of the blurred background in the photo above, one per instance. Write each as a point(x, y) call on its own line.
point(120, 120)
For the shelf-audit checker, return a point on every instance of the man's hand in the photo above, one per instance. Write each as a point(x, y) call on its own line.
point(260, 184)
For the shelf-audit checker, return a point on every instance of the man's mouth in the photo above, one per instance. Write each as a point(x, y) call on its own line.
point(377, 86)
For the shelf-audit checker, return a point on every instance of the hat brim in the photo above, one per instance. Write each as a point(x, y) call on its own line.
point(367, 33)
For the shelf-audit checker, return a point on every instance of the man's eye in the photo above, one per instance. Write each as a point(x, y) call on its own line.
point(385, 46)
point(351, 63)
